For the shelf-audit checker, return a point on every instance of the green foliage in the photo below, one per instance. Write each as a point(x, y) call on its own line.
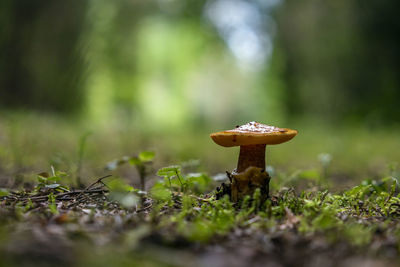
point(197, 182)
point(207, 221)
point(358, 234)
point(122, 193)
point(140, 161)
point(183, 206)
point(160, 192)
point(312, 212)
point(51, 181)
point(143, 158)
point(146, 156)
point(170, 173)
point(173, 179)
point(118, 185)
point(3, 192)
point(52, 204)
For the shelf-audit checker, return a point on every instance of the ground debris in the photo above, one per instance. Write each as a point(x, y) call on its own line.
point(289, 229)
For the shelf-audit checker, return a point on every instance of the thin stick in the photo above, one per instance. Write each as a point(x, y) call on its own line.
point(145, 208)
point(57, 196)
point(87, 189)
point(94, 183)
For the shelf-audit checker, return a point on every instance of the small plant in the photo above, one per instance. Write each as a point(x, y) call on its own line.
point(182, 207)
point(51, 181)
point(141, 162)
point(52, 204)
point(124, 194)
point(170, 173)
point(175, 181)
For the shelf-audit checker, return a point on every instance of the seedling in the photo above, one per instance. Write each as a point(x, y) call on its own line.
point(141, 162)
point(176, 182)
point(51, 181)
point(170, 173)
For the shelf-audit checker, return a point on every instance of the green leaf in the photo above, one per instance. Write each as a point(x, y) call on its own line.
point(52, 186)
point(44, 174)
point(118, 185)
point(160, 192)
point(198, 182)
point(52, 204)
point(53, 179)
point(41, 179)
point(112, 165)
point(134, 161)
point(169, 171)
point(126, 199)
point(146, 156)
point(61, 174)
point(327, 219)
point(63, 188)
point(4, 192)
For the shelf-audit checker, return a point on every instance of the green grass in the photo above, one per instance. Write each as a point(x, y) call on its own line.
point(35, 142)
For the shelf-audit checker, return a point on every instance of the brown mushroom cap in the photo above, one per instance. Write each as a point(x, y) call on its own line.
point(253, 133)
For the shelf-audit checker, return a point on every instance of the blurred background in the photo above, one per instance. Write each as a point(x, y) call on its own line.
point(85, 82)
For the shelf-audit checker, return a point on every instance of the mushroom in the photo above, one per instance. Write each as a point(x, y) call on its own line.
point(252, 138)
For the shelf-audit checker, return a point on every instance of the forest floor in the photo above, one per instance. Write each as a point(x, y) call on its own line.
point(114, 224)
point(343, 213)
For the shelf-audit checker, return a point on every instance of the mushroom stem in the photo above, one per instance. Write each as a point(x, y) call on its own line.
point(251, 155)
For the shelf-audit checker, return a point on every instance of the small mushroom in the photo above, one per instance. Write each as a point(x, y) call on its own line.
point(252, 139)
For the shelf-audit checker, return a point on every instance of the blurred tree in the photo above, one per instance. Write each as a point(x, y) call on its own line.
point(378, 89)
point(41, 65)
point(113, 55)
point(341, 59)
point(141, 60)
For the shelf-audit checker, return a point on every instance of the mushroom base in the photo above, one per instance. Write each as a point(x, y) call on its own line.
point(251, 155)
point(245, 183)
